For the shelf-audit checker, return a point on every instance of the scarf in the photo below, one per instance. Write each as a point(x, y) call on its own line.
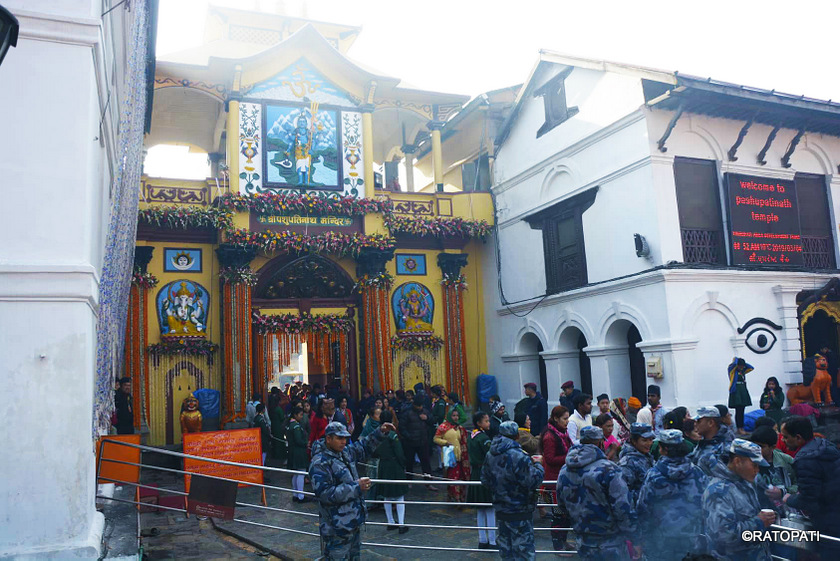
point(462, 437)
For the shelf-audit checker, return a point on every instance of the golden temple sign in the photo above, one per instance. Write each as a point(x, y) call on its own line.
point(298, 220)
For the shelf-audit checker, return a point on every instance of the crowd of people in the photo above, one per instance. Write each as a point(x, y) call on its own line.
point(637, 481)
point(630, 480)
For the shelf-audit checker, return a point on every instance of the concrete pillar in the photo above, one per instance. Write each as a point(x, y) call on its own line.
point(610, 370)
point(789, 338)
point(560, 366)
point(233, 145)
point(437, 154)
point(409, 151)
point(367, 146)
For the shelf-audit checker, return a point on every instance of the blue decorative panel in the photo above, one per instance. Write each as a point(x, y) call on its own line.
point(301, 82)
point(182, 307)
point(414, 308)
point(181, 260)
point(411, 264)
point(302, 147)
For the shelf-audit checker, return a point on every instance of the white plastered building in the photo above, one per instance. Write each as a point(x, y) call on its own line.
point(594, 153)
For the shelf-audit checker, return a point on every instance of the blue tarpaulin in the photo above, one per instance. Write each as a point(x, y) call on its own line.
point(208, 402)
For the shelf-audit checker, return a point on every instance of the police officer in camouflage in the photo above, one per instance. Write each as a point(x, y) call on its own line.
point(731, 507)
point(340, 491)
point(635, 459)
point(670, 502)
point(714, 443)
point(513, 477)
point(598, 500)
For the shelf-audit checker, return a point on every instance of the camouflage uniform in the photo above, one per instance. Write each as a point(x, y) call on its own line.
point(731, 507)
point(341, 503)
point(707, 452)
point(513, 479)
point(634, 467)
point(672, 493)
point(599, 502)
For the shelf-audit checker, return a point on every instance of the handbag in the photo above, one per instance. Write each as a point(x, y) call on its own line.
point(448, 456)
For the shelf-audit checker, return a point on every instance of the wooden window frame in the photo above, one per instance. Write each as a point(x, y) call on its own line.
point(548, 221)
point(553, 93)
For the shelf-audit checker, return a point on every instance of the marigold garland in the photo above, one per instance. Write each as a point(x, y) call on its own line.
point(416, 343)
point(329, 242)
point(243, 275)
point(185, 217)
point(144, 280)
point(459, 282)
point(303, 323)
point(193, 347)
point(319, 205)
point(437, 227)
point(382, 280)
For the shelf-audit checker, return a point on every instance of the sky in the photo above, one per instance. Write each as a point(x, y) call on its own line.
point(472, 46)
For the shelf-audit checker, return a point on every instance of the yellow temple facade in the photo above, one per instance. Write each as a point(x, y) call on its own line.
point(297, 258)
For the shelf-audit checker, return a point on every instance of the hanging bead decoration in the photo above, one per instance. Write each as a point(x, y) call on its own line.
point(195, 354)
point(120, 232)
point(287, 333)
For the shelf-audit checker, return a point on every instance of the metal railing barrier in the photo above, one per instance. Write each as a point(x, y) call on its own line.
point(423, 479)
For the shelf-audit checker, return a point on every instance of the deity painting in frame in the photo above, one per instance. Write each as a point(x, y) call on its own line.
point(302, 147)
point(411, 264)
point(414, 309)
point(182, 260)
point(182, 307)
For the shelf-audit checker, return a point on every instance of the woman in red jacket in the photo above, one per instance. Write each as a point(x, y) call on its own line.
point(555, 444)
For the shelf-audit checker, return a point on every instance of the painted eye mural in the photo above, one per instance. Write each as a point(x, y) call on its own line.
point(759, 339)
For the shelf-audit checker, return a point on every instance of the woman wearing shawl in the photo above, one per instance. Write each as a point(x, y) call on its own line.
point(453, 404)
point(739, 395)
point(555, 444)
point(450, 433)
point(386, 406)
point(618, 410)
point(772, 399)
point(348, 414)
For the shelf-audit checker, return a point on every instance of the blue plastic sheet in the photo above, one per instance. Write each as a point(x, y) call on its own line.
point(209, 402)
point(487, 386)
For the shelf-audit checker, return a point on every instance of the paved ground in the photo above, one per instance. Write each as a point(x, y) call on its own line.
point(180, 537)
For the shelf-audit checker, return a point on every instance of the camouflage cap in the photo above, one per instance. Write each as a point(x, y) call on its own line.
point(591, 433)
point(642, 429)
point(670, 436)
point(337, 429)
point(509, 428)
point(711, 412)
point(747, 449)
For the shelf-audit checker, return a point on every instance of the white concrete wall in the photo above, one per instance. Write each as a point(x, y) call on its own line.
point(687, 318)
point(56, 164)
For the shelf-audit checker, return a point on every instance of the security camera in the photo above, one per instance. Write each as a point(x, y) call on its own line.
point(642, 247)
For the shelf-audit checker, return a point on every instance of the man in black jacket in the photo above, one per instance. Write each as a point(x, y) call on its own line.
point(817, 467)
point(415, 423)
point(123, 405)
point(535, 406)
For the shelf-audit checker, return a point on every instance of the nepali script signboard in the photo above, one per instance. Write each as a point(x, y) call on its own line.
point(242, 446)
point(299, 223)
point(763, 221)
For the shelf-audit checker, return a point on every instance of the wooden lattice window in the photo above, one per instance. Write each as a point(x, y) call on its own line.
point(698, 201)
point(815, 221)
